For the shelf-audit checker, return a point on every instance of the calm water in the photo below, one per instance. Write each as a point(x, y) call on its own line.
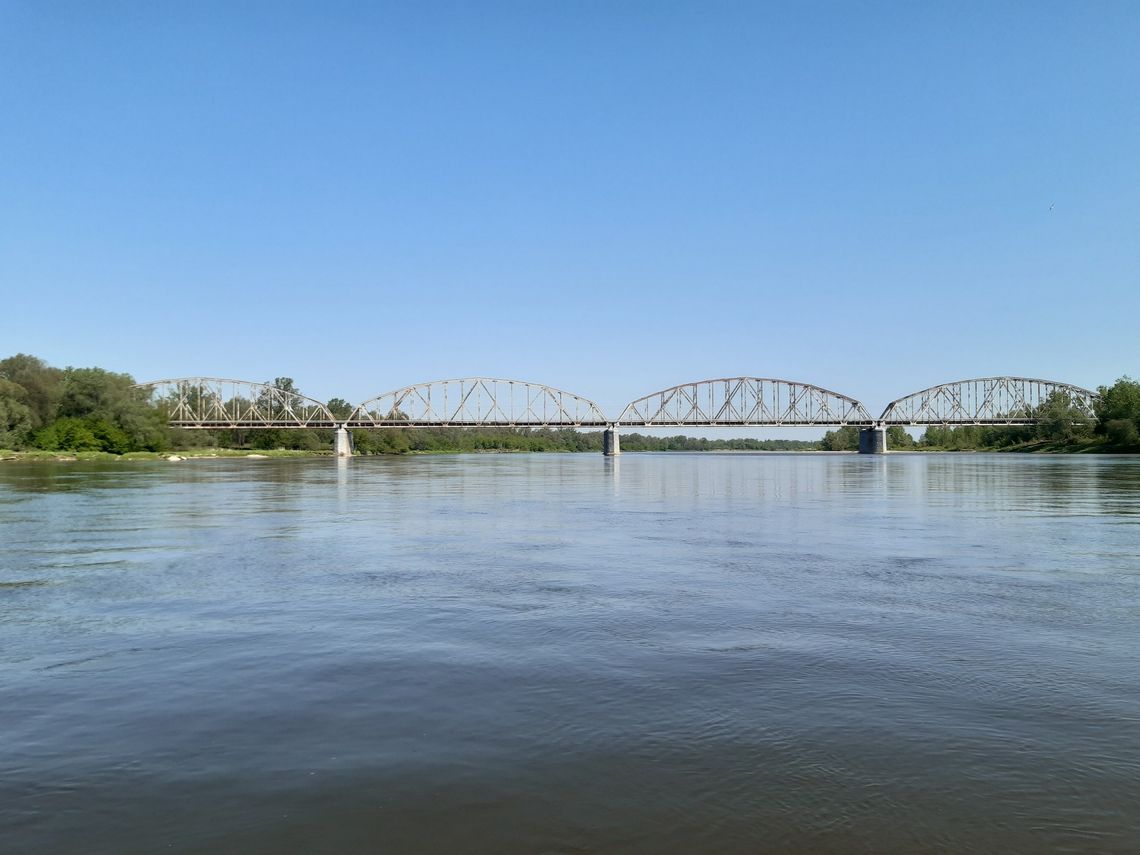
point(500, 654)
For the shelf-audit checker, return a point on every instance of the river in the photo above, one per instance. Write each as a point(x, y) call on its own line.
point(662, 653)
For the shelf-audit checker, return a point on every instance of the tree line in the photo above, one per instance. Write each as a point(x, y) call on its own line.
point(1061, 424)
point(91, 409)
point(403, 440)
point(75, 409)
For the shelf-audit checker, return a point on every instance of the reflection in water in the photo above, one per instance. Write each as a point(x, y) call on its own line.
point(501, 653)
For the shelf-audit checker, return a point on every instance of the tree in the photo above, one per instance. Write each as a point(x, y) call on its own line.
point(278, 397)
point(382, 441)
point(1119, 402)
point(844, 439)
point(16, 418)
point(898, 438)
point(76, 409)
point(68, 434)
point(281, 399)
point(1122, 433)
point(38, 385)
point(98, 395)
point(1059, 418)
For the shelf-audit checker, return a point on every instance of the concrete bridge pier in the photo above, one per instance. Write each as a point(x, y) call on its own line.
point(873, 440)
point(343, 442)
point(611, 444)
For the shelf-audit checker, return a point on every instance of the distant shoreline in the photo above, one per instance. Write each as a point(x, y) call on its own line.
point(39, 456)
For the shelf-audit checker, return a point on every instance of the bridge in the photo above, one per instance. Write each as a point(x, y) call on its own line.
point(212, 403)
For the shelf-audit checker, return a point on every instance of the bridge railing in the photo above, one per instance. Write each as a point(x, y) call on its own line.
point(984, 400)
point(219, 403)
point(477, 402)
point(743, 402)
point(215, 403)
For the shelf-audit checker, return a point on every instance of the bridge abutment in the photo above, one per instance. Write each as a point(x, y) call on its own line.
point(873, 440)
point(343, 442)
point(611, 443)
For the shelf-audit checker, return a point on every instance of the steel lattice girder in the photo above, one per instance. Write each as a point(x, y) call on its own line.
point(477, 402)
point(743, 402)
point(214, 403)
point(984, 400)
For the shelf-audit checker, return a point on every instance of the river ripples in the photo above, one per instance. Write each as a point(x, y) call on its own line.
point(563, 653)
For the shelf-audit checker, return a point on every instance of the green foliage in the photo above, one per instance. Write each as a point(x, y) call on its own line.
point(67, 434)
point(438, 440)
point(84, 391)
point(290, 439)
point(186, 439)
point(844, 439)
point(16, 417)
point(1123, 433)
point(898, 439)
point(90, 409)
point(110, 436)
point(89, 434)
point(639, 442)
point(267, 439)
point(285, 384)
point(459, 440)
point(975, 437)
point(1118, 406)
point(37, 386)
point(77, 409)
point(273, 406)
point(1061, 424)
point(1119, 401)
point(340, 408)
point(394, 442)
point(1060, 419)
point(309, 440)
point(108, 397)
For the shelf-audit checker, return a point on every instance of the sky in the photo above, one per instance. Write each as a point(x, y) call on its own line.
point(608, 198)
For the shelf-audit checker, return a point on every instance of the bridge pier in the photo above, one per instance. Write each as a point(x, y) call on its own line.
point(343, 442)
point(873, 440)
point(611, 444)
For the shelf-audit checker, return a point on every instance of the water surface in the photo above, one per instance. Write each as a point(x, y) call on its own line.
point(562, 653)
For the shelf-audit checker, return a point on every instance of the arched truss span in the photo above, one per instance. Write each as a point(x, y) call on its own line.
point(983, 401)
point(477, 402)
point(214, 403)
point(743, 401)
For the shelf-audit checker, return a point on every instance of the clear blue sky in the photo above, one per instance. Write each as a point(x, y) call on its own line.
point(606, 197)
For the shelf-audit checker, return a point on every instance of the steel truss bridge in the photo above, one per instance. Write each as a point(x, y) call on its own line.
point(211, 403)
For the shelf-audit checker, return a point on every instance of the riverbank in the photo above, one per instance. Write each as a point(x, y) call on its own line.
point(1035, 447)
point(203, 453)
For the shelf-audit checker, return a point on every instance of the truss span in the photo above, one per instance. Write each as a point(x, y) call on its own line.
point(743, 402)
point(477, 402)
point(214, 403)
point(984, 401)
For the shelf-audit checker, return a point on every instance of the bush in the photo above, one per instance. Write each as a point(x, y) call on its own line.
point(1121, 401)
point(1122, 432)
point(67, 435)
point(898, 438)
point(110, 436)
point(844, 439)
